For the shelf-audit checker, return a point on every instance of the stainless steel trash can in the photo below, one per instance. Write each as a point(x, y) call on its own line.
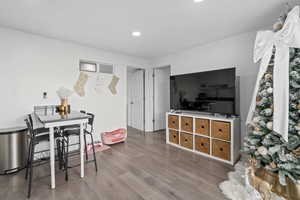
point(13, 148)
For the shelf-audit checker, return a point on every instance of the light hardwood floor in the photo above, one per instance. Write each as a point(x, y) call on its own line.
point(142, 168)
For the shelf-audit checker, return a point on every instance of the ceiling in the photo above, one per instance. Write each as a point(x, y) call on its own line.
point(167, 26)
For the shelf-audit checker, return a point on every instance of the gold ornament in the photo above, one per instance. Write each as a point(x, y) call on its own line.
point(296, 152)
point(268, 76)
point(257, 129)
point(258, 99)
point(298, 106)
point(273, 165)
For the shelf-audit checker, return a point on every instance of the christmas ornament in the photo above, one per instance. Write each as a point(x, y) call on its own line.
point(270, 125)
point(258, 99)
point(257, 129)
point(268, 76)
point(256, 119)
point(278, 25)
point(270, 90)
point(262, 150)
point(273, 165)
point(296, 152)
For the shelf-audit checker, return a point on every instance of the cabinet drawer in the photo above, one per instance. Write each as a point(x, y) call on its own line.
point(221, 130)
point(221, 149)
point(186, 140)
point(174, 136)
point(202, 126)
point(173, 121)
point(187, 124)
point(202, 144)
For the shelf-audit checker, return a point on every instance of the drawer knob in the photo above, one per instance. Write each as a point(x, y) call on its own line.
point(202, 126)
point(174, 136)
point(220, 130)
point(202, 144)
point(186, 124)
point(221, 149)
point(185, 140)
point(173, 122)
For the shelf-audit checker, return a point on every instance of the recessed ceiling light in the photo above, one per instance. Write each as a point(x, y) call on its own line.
point(136, 34)
point(197, 1)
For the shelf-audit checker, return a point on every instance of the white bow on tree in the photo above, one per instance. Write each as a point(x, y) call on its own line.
point(287, 37)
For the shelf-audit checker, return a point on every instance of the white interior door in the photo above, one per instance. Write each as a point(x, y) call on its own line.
point(161, 96)
point(135, 98)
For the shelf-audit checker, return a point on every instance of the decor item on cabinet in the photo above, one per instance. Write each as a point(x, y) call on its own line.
point(273, 138)
point(113, 84)
point(207, 135)
point(114, 137)
point(80, 84)
point(64, 106)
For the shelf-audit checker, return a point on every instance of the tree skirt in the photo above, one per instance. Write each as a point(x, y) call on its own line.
point(235, 188)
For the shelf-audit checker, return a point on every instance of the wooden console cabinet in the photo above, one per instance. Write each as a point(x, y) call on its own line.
point(207, 135)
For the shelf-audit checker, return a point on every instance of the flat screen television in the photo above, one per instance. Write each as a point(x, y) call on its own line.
point(209, 91)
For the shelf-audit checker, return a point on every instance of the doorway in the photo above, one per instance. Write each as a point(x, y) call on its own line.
point(161, 96)
point(136, 99)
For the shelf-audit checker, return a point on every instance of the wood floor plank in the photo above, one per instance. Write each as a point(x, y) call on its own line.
point(142, 168)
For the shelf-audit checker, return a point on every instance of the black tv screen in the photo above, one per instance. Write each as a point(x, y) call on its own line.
point(210, 91)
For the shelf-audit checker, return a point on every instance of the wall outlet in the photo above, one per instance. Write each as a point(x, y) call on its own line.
point(44, 95)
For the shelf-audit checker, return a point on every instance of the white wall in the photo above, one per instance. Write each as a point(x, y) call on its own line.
point(32, 64)
point(236, 51)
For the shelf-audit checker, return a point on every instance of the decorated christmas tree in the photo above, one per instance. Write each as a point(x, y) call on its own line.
point(268, 148)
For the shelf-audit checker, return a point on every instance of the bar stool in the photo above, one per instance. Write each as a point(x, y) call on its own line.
point(88, 130)
point(36, 136)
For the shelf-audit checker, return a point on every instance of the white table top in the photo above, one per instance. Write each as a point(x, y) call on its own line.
point(50, 116)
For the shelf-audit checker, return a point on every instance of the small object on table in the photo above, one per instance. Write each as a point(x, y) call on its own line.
point(64, 94)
